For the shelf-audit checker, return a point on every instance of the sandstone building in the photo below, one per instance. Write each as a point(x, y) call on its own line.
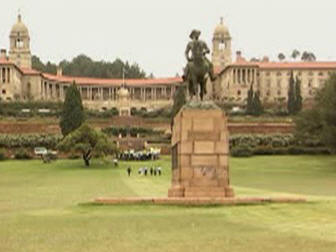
point(18, 81)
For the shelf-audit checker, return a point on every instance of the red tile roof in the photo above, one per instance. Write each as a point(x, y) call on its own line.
point(29, 71)
point(111, 82)
point(6, 61)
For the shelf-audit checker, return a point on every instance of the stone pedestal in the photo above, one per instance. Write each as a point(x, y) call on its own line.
point(200, 150)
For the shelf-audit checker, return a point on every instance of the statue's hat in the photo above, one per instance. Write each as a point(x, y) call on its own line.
point(194, 33)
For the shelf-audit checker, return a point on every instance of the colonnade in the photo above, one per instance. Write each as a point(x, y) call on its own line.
point(243, 75)
point(56, 91)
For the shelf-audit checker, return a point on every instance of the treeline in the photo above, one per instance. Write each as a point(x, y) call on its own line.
point(84, 66)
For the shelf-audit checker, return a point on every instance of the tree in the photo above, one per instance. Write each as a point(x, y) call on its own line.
point(179, 100)
point(254, 106)
point(291, 95)
point(298, 97)
point(84, 66)
point(257, 105)
point(250, 105)
point(295, 54)
point(254, 59)
point(72, 115)
point(320, 121)
point(308, 56)
point(281, 56)
point(89, 142)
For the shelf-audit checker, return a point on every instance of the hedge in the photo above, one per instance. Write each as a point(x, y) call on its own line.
point(29, 141)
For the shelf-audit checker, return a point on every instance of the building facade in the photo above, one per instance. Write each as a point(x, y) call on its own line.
point(18, 81)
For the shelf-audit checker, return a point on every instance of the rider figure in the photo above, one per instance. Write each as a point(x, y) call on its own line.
point(199, 49)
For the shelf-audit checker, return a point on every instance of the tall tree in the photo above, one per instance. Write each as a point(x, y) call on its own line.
point(320, 121)
point(257, 105)
point(250, 105)
point(291, 95)
point(179, 100)
point(72, 115)
point(298, 97)
point(88, 142)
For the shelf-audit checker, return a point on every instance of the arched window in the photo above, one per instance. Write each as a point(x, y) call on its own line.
point(19, 43)
point(222, 45)
point(239, 93)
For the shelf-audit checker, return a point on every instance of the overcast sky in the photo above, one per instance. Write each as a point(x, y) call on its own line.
point(154, 33)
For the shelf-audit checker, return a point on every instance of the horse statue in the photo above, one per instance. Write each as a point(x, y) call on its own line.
point(198, 68)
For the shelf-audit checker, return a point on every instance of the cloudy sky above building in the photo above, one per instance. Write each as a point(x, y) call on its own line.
point(154, 33)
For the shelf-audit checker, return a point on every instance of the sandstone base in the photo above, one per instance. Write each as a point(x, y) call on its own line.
point(200, 150)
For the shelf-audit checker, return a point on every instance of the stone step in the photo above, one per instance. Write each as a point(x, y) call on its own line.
point(205, 182)
point(204, 194)
point(206, 188)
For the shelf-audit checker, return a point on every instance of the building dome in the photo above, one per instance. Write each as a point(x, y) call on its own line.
point(221, 29)
point(19, 27)
point(123, 93)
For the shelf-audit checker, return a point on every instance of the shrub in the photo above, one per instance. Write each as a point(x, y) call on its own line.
point(2, 155)
point(269, 150)
point(22, 154)
point(241, 151)
point(15, 108)
point(298, 150)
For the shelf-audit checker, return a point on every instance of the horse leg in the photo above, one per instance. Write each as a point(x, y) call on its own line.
point(194, 85)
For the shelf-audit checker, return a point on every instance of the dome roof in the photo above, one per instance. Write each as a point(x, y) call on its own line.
point(123, 93)
point(221, 29)
point(19, 27)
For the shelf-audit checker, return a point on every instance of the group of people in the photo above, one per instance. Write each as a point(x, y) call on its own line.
point(139, 156)
point(152, 171)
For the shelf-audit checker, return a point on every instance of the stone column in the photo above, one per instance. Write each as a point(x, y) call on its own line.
point(62, 92)
point(8, 75)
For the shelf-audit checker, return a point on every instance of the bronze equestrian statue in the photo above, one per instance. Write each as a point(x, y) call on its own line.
point(198, 66)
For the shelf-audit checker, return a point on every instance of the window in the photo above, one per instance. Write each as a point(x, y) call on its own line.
point(310, 73)
point(239, 93)
point(19, 43)
point(279, 83)
point(268, 93)
point(268, 83)
point(279, 92)
point(4, 91)
point(222, 45)
point(279, 74)
point(3, 75)
point(320, 73)
point(310, 83)
point(8, 75)
point(267, 73)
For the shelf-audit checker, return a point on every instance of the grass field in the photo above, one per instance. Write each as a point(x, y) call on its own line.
point(42, 208)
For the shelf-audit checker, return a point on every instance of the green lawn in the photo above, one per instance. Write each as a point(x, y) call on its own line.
point(41, 210)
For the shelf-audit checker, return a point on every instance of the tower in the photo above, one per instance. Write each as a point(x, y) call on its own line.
point(221, 51)
point(19, 52)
